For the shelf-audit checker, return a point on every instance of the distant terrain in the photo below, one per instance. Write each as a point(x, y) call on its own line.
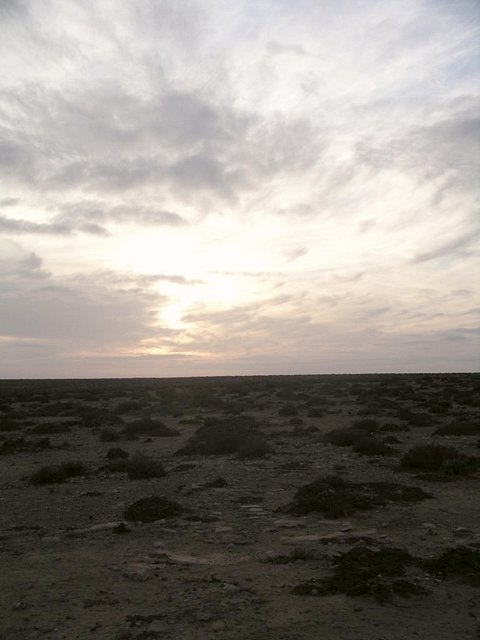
point(265, 507)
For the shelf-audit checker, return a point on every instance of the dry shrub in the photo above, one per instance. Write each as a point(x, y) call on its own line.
point(141, 467)
point(428, 456)
point(152, 508)
point(58, 473)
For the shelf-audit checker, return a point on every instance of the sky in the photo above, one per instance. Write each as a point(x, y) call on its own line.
point(208, 187)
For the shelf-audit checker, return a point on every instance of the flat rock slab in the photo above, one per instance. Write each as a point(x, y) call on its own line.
point(335, 535)
point(207, 559)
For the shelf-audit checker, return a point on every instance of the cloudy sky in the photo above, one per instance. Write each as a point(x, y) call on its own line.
point(208, 187)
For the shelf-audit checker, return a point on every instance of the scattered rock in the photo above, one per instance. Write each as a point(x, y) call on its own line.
point(139, 572)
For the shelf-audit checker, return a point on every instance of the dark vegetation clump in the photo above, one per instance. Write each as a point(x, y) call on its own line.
point(362, 571)
point(141, 467)
point(395, 427)
point(458, 429)
point(463, 562)
point(254, 447)
point(366, 424)
point(51, 428)
point(109, 435)
point(429, 457)
point(120, 465)
point(415, 419)
point(460, 466)
point(126, 406)
point(7, 424)
point(288, 410)
point(296, 422)
point(116, 453)
point(335, 497)
point(152, 508)
point(371, 446)
point(149, 427)
point(58, 473)
point(22, 445)
point(220, 436)
point(315, 412)
point(296, 554)
point(344, 437)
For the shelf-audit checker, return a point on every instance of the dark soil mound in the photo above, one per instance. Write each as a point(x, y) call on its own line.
point(153, 508)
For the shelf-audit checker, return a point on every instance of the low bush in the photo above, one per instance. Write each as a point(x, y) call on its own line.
point(141, 467)
point(370, 446)
point(288, 410)
point(149, 427)
point(429, 456)
point(458, 429)
point(254, 447)
point(58, 473)
point(128, 405)
point(295, 555)
point(220, 436)
point(120, 465)
point(344, 437)
point(109, 435)
point(6, 424)
point(395, 427)
point(460, 466)
point(366, 424)
point(335, 497)
point(316, 412)
point(116, 453)
point(152, 508)
point(50, 428)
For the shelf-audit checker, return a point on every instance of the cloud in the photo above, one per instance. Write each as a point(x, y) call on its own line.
point(16, 226)
point(91, 218)
point(17, 262)
point(456, 247)
point(84, 312)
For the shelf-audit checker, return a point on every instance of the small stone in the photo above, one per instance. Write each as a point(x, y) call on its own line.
point(139, 572)
point(204, 617)
point(156, 626)
point(121, 528)
point(218, 625)
point(17, 606)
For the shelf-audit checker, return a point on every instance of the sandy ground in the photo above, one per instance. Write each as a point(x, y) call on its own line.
point(227, 567)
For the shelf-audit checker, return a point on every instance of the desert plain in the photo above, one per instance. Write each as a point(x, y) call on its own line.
point(273, 507)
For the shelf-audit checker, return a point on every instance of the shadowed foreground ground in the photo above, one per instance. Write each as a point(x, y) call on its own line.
point(280, 529)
